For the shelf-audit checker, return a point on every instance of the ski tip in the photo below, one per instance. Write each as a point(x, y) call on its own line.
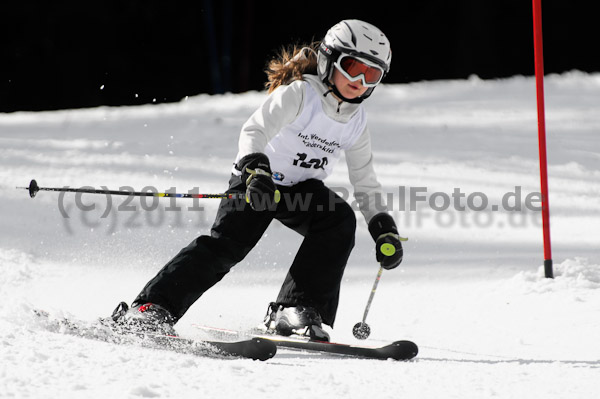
point(404, 350)
point(263, 349)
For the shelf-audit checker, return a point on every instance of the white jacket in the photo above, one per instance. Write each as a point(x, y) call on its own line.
point(303, 131)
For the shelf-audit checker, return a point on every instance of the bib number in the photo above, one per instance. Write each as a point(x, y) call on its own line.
point(313, 163)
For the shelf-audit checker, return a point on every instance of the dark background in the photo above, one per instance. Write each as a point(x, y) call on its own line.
point(72, 54)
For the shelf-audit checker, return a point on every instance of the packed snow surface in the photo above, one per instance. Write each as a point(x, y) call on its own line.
point(459, 160)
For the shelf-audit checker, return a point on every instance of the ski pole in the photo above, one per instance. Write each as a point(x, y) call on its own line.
point(361, 330)
point(34, 188)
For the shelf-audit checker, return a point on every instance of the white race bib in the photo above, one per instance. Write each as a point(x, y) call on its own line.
point(311, 146)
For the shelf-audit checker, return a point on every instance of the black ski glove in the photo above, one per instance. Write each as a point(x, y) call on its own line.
point(388, 245)
point(261, 192)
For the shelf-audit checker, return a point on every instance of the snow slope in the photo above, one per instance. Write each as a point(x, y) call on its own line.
point(470, 291)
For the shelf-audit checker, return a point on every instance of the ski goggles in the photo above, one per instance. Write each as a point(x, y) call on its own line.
point(354, 68)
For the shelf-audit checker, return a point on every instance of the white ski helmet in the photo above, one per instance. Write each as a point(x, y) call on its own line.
point(357, 39)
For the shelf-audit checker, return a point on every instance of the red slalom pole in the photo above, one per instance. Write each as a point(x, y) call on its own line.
point(539, 82)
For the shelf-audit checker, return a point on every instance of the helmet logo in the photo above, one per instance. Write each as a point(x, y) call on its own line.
point(325, 48)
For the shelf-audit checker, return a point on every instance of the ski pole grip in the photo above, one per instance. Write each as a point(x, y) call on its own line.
point(276, 197)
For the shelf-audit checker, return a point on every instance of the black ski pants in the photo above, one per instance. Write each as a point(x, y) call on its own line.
point(325, 220)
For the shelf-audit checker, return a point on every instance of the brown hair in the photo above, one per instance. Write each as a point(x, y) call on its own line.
point(290, 64)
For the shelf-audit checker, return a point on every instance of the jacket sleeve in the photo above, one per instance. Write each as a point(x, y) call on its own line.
point(367, 190)
point(280, 108)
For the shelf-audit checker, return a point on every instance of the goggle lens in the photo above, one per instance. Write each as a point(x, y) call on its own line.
point(354, 67)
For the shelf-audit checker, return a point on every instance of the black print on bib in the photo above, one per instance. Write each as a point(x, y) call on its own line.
point(313, 163)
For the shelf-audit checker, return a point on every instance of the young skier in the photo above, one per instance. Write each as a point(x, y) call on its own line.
point(286, 149)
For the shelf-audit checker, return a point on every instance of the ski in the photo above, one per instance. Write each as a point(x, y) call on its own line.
point(254, 348)
point(398, 350)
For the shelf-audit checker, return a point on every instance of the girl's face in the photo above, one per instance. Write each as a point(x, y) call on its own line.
point(348, 89)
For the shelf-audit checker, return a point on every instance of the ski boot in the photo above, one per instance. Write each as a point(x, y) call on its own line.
point(299, 320)
point(143, 318)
